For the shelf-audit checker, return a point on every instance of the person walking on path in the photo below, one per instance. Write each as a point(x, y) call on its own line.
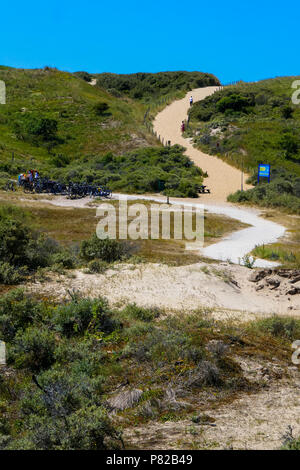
point(191, 101)
point(182, 126)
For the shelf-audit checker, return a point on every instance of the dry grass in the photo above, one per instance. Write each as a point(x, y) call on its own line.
point(70, 225)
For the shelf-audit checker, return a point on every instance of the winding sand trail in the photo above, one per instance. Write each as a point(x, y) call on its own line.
point(223, 179)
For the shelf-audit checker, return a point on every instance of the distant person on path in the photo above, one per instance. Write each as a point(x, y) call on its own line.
point(191, 101)
point(182, 126)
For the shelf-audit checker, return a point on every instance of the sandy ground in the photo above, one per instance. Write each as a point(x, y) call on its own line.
point(223, 179)
point(254, 422)
point(180, 288)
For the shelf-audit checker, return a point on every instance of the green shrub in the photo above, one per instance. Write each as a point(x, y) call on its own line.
point(234, 102)
point(10, 275)
point(87, 428)
point(33, 349)
point(84, 76)
point(75, 318)
point(293, 444)
point(17, 312)
point(100, 108)
point(287, 112)
point(140, 313)
point(154, 85)
point(33, 125)
point(97, 267)
point(106, 250)
point(64, 258)
point(14, 239)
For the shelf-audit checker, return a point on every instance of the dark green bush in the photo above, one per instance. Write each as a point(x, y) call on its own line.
point(106, 250)
point(10, 275)
point(141, 313)
point(84, 76)
point(33, 349)
point(75, 318)
point(100, 108)
point(64, 258)
point(21, 248)
point(97, 267)
point(234, 102)
point(34, 125)
point(287, 112)
point(17, 312)
point(14, 239)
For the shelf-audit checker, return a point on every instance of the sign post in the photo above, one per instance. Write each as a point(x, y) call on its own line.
point(264, 170)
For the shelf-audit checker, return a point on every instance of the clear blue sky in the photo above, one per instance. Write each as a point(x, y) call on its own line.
point(247, 40)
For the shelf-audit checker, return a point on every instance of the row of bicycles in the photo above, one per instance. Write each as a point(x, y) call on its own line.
point(72, 190)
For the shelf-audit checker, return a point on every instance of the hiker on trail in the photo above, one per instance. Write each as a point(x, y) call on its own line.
point(182, 126)
point(36, 175)
point(191, 101)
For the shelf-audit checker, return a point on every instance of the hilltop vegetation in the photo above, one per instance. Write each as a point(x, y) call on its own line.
point(53, 118)
point(252, 123)
point(149, 86)
point(57, 122)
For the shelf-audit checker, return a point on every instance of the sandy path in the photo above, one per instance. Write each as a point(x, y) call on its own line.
point(223, 179)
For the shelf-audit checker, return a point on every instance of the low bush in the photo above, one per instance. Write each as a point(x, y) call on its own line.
point(97, 267)
point(33, 349)
point(23, 250)
point(140, 313)
point(17, 312)
point(65, 258)
point(11, 275)
point(78, 316)
point(106, 250)
point(101, 108)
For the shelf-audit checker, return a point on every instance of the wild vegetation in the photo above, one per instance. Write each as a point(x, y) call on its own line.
point(66, 363)
point(24, 249)
point(145, 170)
point(252, 123)
point(36, 238)
point(69, 130)
point(53, 118)
point(152, 86)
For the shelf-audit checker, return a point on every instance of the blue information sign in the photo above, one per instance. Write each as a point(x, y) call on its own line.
point(264, 170)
